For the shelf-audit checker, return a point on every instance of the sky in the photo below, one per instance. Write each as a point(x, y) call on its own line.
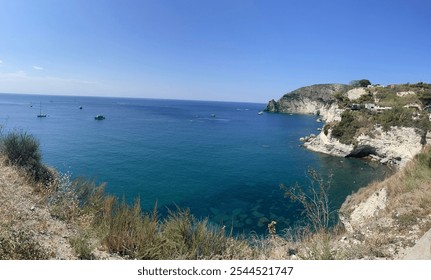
point(223, 50)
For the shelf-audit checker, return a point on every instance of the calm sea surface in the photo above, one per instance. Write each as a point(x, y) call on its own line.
point(227, 168)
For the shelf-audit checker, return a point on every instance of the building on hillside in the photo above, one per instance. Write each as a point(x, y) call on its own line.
point(370, 106)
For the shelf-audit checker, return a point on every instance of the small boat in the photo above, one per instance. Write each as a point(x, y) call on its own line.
point(80, 107)
point(99, 117)
point(213, 115)
point(40, 115)
point(260, 113)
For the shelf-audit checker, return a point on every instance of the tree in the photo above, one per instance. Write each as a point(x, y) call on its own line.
point(360, 83)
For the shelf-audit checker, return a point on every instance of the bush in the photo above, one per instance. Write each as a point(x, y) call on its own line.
point(21, 246)
point(22, 150)
point(82, 248)
point(346, 129)
point(360, 83)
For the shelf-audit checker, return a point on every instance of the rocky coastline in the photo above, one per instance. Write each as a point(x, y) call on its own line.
point(395, 146)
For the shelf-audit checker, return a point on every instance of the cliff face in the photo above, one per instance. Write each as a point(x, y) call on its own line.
point(315, 99)
point(328, 145)
point(396, 146)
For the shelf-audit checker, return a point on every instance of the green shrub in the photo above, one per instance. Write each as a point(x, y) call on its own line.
point(360, 83)
point(22, 150)
point(326, 129)
point(346, 129)
point(82, 248)
point(397, 116)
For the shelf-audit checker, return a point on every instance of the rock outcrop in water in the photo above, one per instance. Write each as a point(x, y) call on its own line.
point(394, 145)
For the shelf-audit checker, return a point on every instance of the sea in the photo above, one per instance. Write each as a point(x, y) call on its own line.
point(221, 160)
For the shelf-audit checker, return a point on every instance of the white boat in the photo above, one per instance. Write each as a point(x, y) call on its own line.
point(99, 117)
point(260, 113)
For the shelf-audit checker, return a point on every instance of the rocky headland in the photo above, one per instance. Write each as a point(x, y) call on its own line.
point(385, 124)
point(315, 99)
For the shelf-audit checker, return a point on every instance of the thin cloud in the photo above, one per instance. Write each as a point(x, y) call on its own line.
point(22, 82)
point(37, 67)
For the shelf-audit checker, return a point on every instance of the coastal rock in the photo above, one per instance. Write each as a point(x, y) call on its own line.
point(328, 145)
point(356, 93)
point(331, 113)
point(421, 250)
point(397, 145)
point(315, 99)
point(366, 210)
point(272, 106)
point(404, 93)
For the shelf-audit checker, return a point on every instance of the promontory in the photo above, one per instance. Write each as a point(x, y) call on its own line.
point(388, 123)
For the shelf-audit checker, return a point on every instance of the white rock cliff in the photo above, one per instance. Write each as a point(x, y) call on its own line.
point(395, 146)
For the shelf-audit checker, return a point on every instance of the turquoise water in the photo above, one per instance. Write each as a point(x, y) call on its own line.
point(227, 168)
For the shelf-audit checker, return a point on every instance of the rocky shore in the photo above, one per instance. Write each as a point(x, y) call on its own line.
point(394, 146)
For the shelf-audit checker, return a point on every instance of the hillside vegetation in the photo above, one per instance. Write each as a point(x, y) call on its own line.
point(395, 105)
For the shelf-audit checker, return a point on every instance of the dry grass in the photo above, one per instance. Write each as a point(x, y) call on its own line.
point(407, 214)
point(130, 233)
point(410, 189)
point(25, 222)
point(21, 246)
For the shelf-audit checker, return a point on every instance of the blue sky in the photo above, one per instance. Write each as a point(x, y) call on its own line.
point(240, 50)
